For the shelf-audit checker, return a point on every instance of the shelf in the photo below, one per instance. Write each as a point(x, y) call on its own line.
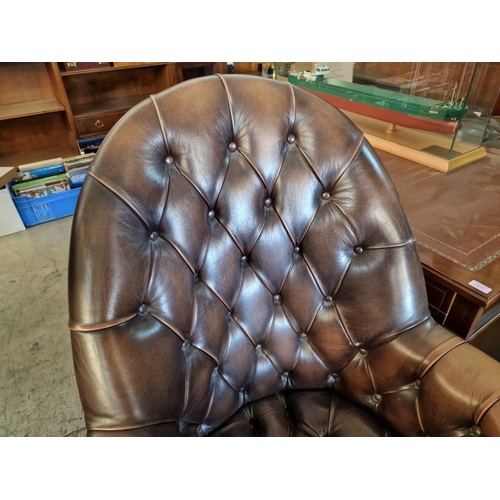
point(66, 74)
point(109, 106)
point(22, 157)
point(30, 108)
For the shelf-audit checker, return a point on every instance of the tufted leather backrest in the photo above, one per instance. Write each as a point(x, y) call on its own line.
point(235, 237)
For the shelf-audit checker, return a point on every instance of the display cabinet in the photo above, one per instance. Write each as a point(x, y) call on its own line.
point(433, 113)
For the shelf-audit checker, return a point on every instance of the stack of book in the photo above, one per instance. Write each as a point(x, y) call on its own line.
point(42, 187)
point(36, 180)
point(77, 167)
point(42, 178)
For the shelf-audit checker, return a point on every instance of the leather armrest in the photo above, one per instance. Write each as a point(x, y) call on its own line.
point(428, 381)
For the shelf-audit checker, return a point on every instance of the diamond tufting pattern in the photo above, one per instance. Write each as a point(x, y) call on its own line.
point(239, 248)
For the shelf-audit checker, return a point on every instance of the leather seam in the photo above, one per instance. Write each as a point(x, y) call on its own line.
point(120, 197)
point(228, 100)
point(483, 412)
point(105, 326)
point(160, 121)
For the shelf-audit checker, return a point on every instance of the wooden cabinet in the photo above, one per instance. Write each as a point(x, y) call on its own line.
point(45, 109)
point(35, 118)
point(99, 97)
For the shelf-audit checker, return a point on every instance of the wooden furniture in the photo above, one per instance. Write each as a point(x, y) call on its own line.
point(44, 109)
point(456, 221)
point(36, 122)
point(100, 97)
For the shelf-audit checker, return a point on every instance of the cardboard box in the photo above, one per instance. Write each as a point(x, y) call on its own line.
point(10, 220)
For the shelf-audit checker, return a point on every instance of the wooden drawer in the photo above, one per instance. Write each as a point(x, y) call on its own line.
point(97, 124)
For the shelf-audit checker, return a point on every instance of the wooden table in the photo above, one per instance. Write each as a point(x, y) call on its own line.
point(456, 220)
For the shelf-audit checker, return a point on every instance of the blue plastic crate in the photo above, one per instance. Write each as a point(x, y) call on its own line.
point(54, 206)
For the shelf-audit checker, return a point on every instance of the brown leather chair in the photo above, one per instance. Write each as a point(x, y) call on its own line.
point(241, 266)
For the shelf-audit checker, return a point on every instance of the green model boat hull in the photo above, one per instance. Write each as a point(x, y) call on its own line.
point(385, 99)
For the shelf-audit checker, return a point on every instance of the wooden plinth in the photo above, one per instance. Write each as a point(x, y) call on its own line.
point(416, 145)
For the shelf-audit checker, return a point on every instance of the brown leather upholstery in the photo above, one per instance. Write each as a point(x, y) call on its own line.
point(241, 265)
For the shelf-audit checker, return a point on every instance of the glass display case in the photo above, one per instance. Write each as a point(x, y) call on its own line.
point(436, 114)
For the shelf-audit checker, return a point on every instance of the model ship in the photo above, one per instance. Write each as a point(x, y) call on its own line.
point(386, 105)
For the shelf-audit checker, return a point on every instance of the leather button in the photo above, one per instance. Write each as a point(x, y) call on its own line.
point(185, 344)
point(291, 139)
point(258, 346)
point(216, 370)
point(154, 235)
point(475, 430)
point(169, 160)
point(195, 277)
point(244, 258)
point(296, 250)
point(286, 374)
point(211, 214)
point(276, 298)
point(417, 383)
point(232, 147)
point(303, 335)
point(358, 250)
point(326, 195)
point(363, 352)
point(328, 298)
point(377, 398)
point(143, 308)
point(335, 375)
point(268, 202)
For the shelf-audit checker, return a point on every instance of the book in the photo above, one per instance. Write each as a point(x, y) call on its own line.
point(41, 191)
point(78, 157)
point(39, 173)
point(40, 164)
point(77, 176)
point(42, 187)
point(82, 161)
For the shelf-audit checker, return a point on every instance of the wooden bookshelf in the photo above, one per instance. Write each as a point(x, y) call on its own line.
point(45, 109)
point(30, 108)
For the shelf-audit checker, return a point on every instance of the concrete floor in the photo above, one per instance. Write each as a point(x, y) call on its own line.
point(38, 393)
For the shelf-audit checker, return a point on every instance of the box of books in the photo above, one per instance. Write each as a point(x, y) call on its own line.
point(42, 191)
point(36, 210)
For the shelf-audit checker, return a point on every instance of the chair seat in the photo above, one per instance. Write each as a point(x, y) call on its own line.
point(293, 413)
point(305, 413)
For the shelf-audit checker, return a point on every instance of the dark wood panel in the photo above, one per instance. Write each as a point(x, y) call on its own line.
point(246, 67)
point(95, 87)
